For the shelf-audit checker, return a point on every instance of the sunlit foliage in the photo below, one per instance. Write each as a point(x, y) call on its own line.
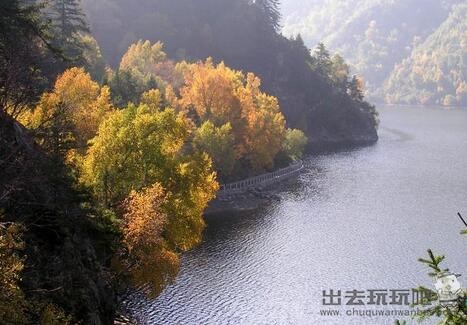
point(69, 116)
point(218, 143)
point(139, 146)
point(221, 95)
point(144, 66)
point(152, 98)
point(144, 255)
point(214, 93)
point(265, 124)
point(148, 63)
point(210, 90)
point(295, 143)
point(240, 34)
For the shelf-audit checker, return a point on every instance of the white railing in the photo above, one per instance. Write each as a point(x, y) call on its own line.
point(261, 180)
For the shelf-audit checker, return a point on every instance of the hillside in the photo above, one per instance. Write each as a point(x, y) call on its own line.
point(109, 159)
point(237, 33)
point(436, 71)
point(63, 268)
point(373, 35)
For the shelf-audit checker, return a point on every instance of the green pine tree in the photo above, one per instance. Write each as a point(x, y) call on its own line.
point(321, 61)
point(271, 10)
point(24, 38)
point(69, 22)
point(450, 316)
point(354, 89)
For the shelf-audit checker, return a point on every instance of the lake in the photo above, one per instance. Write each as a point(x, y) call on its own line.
point(354, 220)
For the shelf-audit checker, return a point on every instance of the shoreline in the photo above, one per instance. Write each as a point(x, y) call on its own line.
point(251, 193)
point(255, 197)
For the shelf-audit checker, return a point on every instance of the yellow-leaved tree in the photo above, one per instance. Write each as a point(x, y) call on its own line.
point(215, 93)
point(294, 144)
point(142, 148)
point(68, 117)
point(147, 63)
point(222, 95)
point(152, 98)
point(265, 132)
point(145, 256)
point(218, 143)
point(209, 91)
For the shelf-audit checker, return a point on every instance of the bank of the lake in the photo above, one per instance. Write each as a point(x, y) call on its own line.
point(357, 219)
point(251, 193)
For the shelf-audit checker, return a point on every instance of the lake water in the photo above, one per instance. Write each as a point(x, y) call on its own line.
point(355, 220)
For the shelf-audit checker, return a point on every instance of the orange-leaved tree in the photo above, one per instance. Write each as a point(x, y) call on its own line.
point(221, 95)
point(143, 149)
point(68, 117)
point(144, 256)
point(265, 131)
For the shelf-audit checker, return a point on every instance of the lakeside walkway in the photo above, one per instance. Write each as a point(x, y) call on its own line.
point(261, 180)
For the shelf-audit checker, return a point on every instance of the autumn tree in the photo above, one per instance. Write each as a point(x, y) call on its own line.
point(149, 66)
point(141, 58)
point(215, 93)
point(295, 143)
point(218, 143)
point(209, 91)
point(87, 102)
point(51, 125)
point(69, 116)
point(152, 98)
point(144, 256)
point(265, 131)
point(222, 95)
point(143, 67)
point(139, 146)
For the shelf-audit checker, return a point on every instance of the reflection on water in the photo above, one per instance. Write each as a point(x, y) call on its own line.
point(353, 220)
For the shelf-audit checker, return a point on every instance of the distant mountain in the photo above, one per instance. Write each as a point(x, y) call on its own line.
point(375, 36)
point(436, 71)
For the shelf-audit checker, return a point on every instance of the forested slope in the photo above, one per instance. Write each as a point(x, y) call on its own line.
point(59, 245)
point(106, 171)
point(436, 71)
point(243, 35)
point(375, 36)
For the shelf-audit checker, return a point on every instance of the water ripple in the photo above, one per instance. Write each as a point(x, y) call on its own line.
point(353, 220)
